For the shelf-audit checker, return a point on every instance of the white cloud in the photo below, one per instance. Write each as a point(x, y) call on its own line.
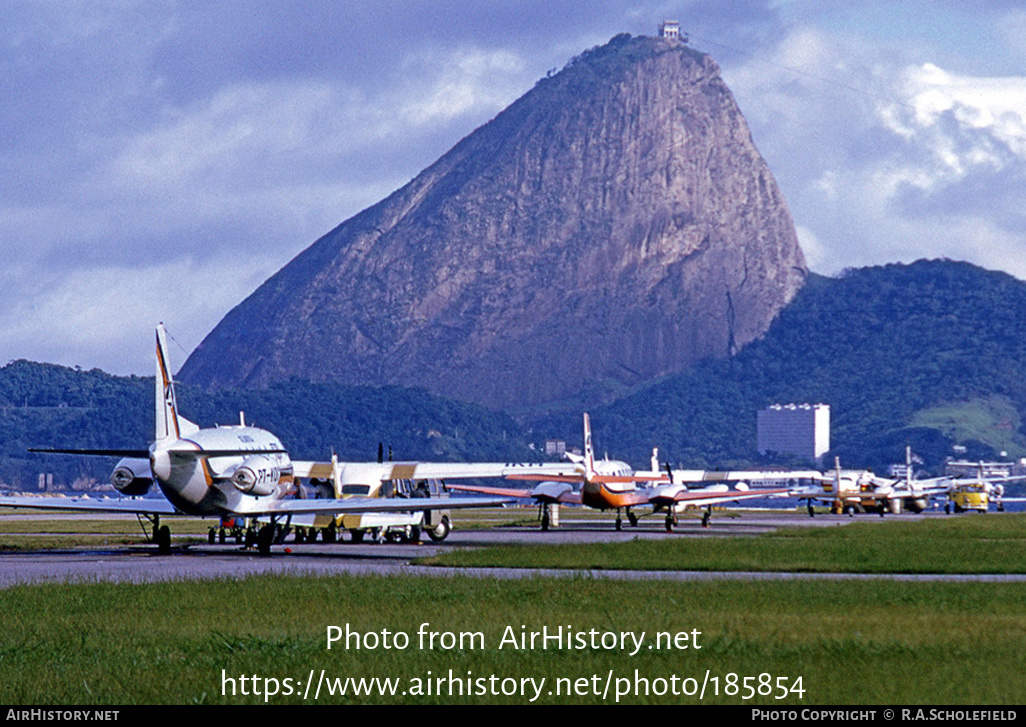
point(995, 106)
point(77, 310)
point(882, 160)
point(467, 82)
point(213, 194)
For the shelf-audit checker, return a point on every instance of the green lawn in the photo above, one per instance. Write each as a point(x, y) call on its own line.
point(992, 543)
point(851, 642)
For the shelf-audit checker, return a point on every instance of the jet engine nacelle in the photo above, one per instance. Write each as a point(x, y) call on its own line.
point(257, 475)
point(132, 476)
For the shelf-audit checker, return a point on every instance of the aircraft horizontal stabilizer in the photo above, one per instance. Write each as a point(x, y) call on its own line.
point(547, 478)
point(142, 453)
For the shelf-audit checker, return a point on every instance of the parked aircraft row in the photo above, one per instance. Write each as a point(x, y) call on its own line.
point(244, 474)
point(614, 485)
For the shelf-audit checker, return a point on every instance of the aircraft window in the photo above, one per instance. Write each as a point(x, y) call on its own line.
point(355, 489)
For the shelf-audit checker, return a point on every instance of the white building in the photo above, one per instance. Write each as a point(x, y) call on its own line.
point(801, 429)
point(669, 29)
point(555, 447)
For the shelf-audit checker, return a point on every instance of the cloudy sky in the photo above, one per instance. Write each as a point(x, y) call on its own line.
point(159, 160)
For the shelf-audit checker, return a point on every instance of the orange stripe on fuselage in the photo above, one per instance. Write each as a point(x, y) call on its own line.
point(207, 475)
point(597, 495)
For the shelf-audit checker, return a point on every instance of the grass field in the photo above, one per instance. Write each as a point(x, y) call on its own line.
point(995, 543)
point(876, 642)
point(40, 530)
point(850, 642)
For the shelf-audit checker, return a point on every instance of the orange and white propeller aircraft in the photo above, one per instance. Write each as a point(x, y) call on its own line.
point(613, 485)
point(226, 471)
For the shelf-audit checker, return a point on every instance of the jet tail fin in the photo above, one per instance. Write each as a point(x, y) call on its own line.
point(168, 423)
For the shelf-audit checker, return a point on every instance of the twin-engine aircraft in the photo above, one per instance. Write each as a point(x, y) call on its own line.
point(849, 490)
point(227, 471)
point(613, 485)
point(349, 480)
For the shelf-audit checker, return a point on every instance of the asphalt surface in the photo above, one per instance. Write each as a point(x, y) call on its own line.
point(139, 564)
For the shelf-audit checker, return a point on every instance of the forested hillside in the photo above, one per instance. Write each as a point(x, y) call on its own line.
point(923, 354)
point(47, 405)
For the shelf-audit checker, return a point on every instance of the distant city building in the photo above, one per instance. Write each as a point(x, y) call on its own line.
point(669, 29)
point(555, 447)
point(801, 429)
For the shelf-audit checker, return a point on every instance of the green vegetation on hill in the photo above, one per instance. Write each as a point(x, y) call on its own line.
point(888, 348)
point(992, 420)
point(42, 405)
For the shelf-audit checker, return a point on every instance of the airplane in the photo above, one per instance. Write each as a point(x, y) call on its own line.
point(677, 496)
point(976, 494)
point(613, 485)
point(847, 490)
point(395, 479)
point(228, 472)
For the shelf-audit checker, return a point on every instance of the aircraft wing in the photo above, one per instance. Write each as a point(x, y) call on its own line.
point(366, 504)
point(680, 476)
point(561, 495)
point(132, 505)
point(496, 491)
point(810, 493)
point(448, 470)
point(817, 493)
point(458, 471)
point(320, 470)
point(698, 498)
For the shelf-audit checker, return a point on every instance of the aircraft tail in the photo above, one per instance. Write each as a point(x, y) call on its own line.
point(837, 475)
point(908, 471)
point(589, 449)
point(168, 423)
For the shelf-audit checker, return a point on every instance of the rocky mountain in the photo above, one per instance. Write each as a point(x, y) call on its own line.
point(613, 225)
